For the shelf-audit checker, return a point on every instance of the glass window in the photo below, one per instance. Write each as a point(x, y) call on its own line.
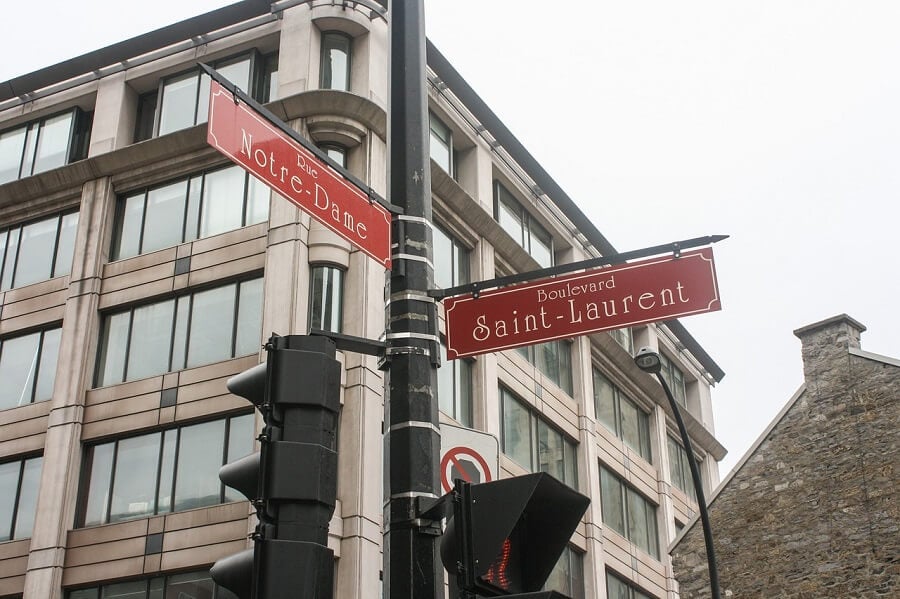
point(205, 204)
point(533, 443)
point(201, 328)
point(617, 588)
point(516, 221)
point(623, 337)
point(137, 476)
point(674, 377)
point(621, 415)
point(335, 152)
point(441, 144)
point(335, 67)
point(19, 482)
point(186, 585)
point(326, 298)
point(567, 576)
point(680, 468)
point(553, 359)
point(455, 388)
point(28, 368)
point(44, 144)
point(451, 259)
point(37, 251)
point(182, 101)
point(628, 513)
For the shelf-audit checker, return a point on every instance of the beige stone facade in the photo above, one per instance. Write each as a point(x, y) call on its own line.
point(95, 403)
point(812, 509)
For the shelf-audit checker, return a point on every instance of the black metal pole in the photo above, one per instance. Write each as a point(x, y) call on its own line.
point(412, 567)
point(698, 488)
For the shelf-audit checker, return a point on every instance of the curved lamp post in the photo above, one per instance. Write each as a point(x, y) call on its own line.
point(649, 361)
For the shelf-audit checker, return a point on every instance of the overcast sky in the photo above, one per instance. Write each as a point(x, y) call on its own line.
point(776, 122)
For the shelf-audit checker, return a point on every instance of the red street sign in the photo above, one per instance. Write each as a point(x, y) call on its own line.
point(250, 140)
point(581, 303)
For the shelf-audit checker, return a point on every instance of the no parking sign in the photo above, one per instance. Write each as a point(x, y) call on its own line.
point(471, 455)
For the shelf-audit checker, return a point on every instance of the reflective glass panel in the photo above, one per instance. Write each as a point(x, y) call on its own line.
point(100, 476)
point(516, 439)
point(134, 482)
point(509, 215)
point(113, 349)
point(212, 320)
point(223, 201)
point(552, 452)
point(131, 221)
point(150, 340)
point(604, 401)
point(12, 143)
point(167, 471)
point(441, 143)
point(327, 298)
point(53, 142)
point(194, 585)
point(164, 217)
point(611, 503)
point(179, 103)
point(47, 369)
point(36, 250)
point(31, 481)
point(65, 246)
point(257, 201)
point(240, 444)
point(541, 247)
point(200, 455)
point(134, 589)
point(249, 324)
point(9, 488)
point(9, 263)
point(18, 363)
point(335, 61)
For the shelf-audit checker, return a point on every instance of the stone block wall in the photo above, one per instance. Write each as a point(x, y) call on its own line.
point(814, 510)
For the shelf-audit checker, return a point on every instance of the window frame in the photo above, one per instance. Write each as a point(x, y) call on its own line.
point(97, 591)
point(317, 321)
point(460, 257)
point(57, 268)
point(326, 37)
point(443, 134)
point(627, 495)
point(537, 356)
point(535, 426)
point(159, 484)
point(182, 352)
point(644, 445)
point(77, 140)
point(530, 227)
point(15, 513)
point(34, 380)
point(633, 592)
point(679, 467)
point(462, 409)
point(675, 379)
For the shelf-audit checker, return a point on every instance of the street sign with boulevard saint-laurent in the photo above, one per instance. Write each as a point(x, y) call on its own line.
point(585, 302)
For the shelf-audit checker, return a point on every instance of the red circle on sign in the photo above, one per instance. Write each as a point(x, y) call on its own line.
point(451, 457)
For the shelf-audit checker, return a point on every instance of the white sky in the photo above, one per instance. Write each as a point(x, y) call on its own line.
point(773, 121)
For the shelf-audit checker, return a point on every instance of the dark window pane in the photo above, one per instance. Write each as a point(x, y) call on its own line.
point(134, 589)
point(335, 67)
point(194, 585)
point(134, 485)
point(200, 455)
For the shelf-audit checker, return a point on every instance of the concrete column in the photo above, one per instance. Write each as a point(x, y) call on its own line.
point(114, 115)
point(78, 346)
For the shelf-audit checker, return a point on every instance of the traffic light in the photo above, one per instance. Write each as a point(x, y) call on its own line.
point(506, 536)
point(292, 480)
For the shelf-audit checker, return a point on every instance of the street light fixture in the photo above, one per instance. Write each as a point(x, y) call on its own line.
point(650, 362)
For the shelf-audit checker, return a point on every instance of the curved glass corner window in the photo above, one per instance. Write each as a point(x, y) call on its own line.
point(187, 331)
point(202, 205)
point(533, 443)
point(527, 232)
point(161, 472)
point(44, 144)
point(326, 298)
point(335, 65)
point(19, 482)
point(28, 368)
point(37, 251)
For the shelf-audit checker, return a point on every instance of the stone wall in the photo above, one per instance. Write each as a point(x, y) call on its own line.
point(814, 510)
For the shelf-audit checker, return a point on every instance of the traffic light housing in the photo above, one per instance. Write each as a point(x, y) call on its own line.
point(506, 536)
point(292, 480)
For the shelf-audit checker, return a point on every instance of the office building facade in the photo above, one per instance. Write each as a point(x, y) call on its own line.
point(139, 269)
